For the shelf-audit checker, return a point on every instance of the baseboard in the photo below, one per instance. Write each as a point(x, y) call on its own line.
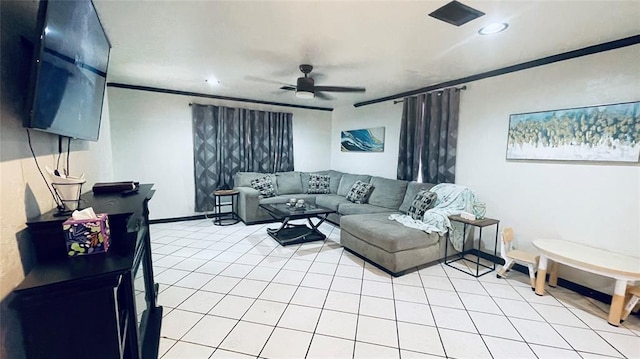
point(178, 219)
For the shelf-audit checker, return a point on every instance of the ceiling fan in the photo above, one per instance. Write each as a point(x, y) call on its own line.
point(306, 88)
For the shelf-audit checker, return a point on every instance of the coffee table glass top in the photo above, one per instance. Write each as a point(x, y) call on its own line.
point(284, 210)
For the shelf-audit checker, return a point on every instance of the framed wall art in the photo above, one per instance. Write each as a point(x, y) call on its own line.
point(363, 140)
point(595, 133)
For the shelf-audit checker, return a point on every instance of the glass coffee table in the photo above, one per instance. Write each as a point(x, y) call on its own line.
point(296, 233)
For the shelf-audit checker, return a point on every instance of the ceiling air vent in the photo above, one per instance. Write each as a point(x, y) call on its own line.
point(456, 13)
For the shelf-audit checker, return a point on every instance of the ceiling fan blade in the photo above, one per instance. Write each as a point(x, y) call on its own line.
point(288, 88)
point(322, 95)
point(267, 81)
point(340, 89)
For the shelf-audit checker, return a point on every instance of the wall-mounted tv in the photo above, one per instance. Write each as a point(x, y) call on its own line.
point(70, 70)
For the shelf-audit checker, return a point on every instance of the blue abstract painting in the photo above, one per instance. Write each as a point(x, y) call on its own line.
point(363, 140)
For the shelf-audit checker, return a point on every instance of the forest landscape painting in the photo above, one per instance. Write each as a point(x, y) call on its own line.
point(596, 133)
point(363, 140)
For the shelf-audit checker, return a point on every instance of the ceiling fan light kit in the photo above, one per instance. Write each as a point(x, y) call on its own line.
point(305, 87)
point(304, 94)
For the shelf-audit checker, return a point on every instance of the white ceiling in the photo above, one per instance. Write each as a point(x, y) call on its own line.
point(386, 46)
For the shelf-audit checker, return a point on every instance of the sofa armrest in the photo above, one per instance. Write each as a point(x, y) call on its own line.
point(247, 205)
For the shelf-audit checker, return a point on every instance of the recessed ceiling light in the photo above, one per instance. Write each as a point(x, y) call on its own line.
point(494, 28)
point(212, 81)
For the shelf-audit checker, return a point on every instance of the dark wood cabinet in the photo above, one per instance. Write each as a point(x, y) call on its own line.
point(85, 307)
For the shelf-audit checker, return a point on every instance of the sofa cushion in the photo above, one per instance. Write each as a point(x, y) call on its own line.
point(335, 179)
point(288, 182)
point(330, 201)
point(243, 179)
point(304, 179)
point(264, 185)
point(412, 190)
point(354, 208)
point(347, 181)
point(319, 184)
point(387, 192)
point(308, 198)
point(359, 192)
point(424, 200)
point(378, 230)
point(274, 199)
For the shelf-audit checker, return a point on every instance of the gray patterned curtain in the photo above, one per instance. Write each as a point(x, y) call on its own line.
point(228, 140)
point(428, 137)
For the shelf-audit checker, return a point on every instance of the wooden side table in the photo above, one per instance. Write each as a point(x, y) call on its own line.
point(225, 218)
point(481, 224)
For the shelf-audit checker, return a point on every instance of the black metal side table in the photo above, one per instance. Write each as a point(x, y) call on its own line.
point(225, 218)
point(480, 223)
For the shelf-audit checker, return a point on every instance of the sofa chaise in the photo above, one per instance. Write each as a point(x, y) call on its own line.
point(366, 229)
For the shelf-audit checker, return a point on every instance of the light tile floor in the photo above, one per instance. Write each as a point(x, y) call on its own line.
point(233, 292)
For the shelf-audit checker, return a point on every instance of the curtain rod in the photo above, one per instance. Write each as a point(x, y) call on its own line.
point(458, 88)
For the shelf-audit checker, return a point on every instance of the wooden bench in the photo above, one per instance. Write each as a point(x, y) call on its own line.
point(622, 268)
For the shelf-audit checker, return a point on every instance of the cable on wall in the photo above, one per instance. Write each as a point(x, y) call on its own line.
point(67, 170)
point(56, 198)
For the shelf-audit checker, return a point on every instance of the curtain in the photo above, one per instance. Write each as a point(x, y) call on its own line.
point(228, 140)
point(428, 137)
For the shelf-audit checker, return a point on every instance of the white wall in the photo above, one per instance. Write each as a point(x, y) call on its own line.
point(384, 114)
point(153, 143)
point(592, 203)
point(23, 193)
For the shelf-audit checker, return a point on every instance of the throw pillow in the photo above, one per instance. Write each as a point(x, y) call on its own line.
point(319, 184)
point(359, 192)
point(424, 200)
point(264, 185)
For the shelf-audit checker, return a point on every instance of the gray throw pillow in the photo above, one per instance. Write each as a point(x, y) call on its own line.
point(359, 192)
point(424, 200)
point(264, 185)
point(319, 184)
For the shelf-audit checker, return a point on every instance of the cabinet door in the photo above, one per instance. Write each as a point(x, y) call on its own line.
point(72, 323)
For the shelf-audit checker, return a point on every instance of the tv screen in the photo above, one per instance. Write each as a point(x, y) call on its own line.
point(69, 77)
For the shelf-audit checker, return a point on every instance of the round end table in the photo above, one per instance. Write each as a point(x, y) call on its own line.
point(225, 218)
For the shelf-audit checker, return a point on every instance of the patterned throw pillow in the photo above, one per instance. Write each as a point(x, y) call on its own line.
point(265, 186)
point(319, 184)
point(421, 203)
point(359, 192)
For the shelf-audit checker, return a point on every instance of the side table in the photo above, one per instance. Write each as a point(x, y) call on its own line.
point(481, 224)
point(225, 218)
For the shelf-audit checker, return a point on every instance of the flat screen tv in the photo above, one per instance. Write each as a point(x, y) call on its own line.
point(69, 71)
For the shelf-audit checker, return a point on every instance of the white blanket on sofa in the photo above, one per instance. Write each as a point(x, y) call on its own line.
point(452, 199)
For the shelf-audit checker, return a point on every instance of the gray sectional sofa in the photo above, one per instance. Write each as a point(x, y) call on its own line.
point(365, 228)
